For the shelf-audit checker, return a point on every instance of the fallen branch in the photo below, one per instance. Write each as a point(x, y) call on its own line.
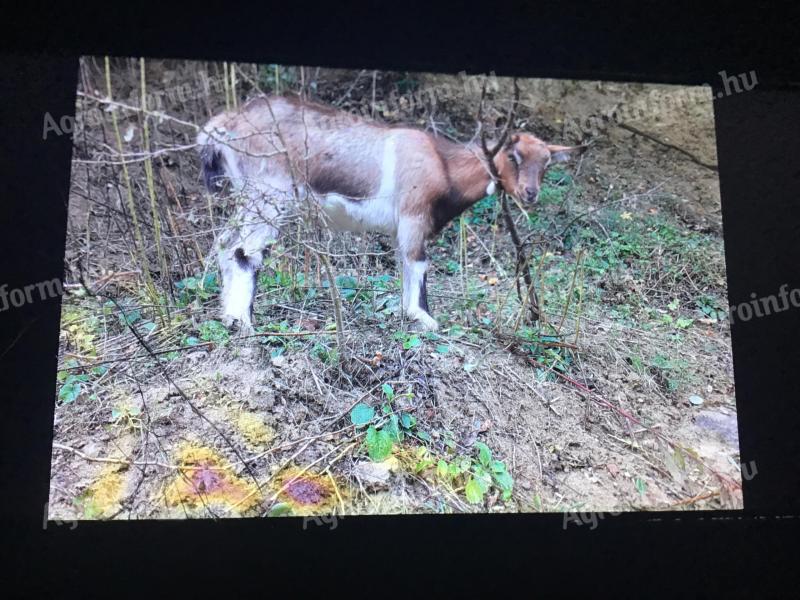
point(652, 138)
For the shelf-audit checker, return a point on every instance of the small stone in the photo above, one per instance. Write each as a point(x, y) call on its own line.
point(279, 361)
point(372, 473)
point(695, 400)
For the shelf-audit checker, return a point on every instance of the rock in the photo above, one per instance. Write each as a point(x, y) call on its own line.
point(373, 473)
point(722, 423)
point(279, 361)
point(695, 400)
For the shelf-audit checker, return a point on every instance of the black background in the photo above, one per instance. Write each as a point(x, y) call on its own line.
point(632, 554)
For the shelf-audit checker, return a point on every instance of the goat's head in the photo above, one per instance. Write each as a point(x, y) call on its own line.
point(522, 162)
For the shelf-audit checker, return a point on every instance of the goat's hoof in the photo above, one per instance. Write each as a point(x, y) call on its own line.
point(243, 326)
point(425, 322)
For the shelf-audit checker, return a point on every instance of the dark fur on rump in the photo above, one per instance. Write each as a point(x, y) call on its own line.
point(211, 168)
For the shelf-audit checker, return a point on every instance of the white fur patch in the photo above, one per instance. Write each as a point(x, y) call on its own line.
point(491, 188)
point(238, 295)
point(368, 214)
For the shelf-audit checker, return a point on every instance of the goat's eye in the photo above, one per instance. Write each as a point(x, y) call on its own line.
point(512, 157)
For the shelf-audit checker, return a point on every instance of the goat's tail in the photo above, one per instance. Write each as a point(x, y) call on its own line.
point(212, 155)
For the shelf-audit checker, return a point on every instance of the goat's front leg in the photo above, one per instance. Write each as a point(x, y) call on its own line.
point(415, 278)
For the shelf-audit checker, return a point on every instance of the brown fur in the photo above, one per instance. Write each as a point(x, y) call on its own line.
point(334, 151)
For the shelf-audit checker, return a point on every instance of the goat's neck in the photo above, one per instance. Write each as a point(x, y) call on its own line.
point(469, 173)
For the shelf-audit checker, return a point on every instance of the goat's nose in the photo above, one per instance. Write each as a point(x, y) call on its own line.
point(531, 192)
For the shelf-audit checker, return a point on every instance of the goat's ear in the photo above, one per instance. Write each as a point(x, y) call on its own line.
point(562, 153)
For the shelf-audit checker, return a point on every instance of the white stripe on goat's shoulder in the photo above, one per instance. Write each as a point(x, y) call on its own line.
point(388, 170)
point(368, 214)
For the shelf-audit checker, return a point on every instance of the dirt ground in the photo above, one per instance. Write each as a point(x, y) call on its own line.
point(623, 399)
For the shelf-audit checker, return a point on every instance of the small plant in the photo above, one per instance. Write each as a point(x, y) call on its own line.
point(483, 212)
point(384, 430)
point(195, 288)
point(213, 331)
point(547, 357)
point(71, 388)
point(475, 475)
point(325, 353)
point(668, 372)
point(409, 340)
point(72, 384)
point(710, 308)
point(128, 416)
point(80, 330)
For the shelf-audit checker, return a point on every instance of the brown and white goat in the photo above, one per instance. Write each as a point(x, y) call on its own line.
point(365, 176)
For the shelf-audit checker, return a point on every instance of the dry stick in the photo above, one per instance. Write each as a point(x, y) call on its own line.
point(500, 270)
point(135, 463)
point(337, 306)
point(694, 159)
point(148, 171)
point(129, 194)
point(233, 86)
point(225, 84)
point(696, 498)
point(174, 196)
point(374, 85)
point(522, 259)
point(130, 358)
point(571, 288)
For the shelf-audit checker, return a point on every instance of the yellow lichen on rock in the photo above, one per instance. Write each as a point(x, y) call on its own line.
point(205, 478)
point(254, 430)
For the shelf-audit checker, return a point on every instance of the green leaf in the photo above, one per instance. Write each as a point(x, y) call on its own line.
point(130, 317)
point(412, 342)
point(442, 468)
point(442, 349)
point(683, 323)
point(379, 444)
point(498, 466)
point(280, 509)
point(474, 491)
point(69, 391)
point(641, 485)
point(192, 341)
point(423, 436)
point(388, 391)
point(392, 428)
point(361, 414)
point(484, 454)
point(408, 421)
point(504, 480)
